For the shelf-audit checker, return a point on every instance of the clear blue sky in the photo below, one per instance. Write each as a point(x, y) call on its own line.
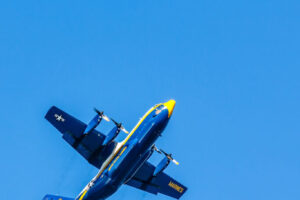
point(232, 66)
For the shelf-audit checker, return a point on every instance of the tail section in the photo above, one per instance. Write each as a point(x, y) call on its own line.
point(53, 197)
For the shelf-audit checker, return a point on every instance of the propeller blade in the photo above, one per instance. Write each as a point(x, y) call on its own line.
point(105, 118)
point(116, 123)
point(123, 129)
point(119, 125)
point(97, 111)
point(101, 115)
point(156, 149)
point(169, 156)
point(174, 161)
point(163, 152)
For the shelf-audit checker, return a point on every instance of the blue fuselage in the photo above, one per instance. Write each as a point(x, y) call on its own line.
point(129, 155)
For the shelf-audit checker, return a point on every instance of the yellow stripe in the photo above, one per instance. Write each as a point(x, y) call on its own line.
point(99, 174)
point(127, 138)
point(144, 117)
point(117, 158)
point(83, 194)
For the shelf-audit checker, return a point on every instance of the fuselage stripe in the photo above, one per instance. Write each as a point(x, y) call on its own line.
point(139, 123)
point(117, 158)
point(121, 145)
point(128, 137)
point(83, 194)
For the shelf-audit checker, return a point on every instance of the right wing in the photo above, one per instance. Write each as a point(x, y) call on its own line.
point(89, 145)
point(162, 183)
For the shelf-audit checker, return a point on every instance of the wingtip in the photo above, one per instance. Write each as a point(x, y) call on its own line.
point(49, 111)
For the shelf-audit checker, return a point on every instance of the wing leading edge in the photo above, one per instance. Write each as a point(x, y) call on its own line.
point(162, 183)
point(72, 129)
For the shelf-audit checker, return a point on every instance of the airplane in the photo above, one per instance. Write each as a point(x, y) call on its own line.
point(122, 162)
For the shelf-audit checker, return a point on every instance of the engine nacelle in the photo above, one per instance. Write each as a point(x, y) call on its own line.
point(92, 124)
point(111, 135)
point(163, 164)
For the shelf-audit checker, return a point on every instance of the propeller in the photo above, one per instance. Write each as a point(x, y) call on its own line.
point(101, 115)
point(169, 156)
point(119, 125)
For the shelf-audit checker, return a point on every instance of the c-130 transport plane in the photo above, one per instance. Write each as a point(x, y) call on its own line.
point(122, 162)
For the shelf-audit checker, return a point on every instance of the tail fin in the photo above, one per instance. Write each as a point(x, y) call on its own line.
point(53, 197)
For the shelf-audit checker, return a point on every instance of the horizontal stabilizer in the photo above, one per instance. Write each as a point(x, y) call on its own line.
point(54, 197)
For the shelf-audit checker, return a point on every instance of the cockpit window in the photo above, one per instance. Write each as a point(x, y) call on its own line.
point(160, 107)
point(158, 110)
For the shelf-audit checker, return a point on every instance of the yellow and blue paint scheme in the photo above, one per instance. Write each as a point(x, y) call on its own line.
point(120, 162)
point(138, 142)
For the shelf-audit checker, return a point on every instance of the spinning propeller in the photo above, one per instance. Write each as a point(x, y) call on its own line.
point(169, 156)
point(96, 121)
point(101, 115)
point(114, 132)
point(163, 164)
point(119, 125)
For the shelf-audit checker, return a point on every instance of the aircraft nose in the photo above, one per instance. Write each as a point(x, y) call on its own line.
point(170, 106)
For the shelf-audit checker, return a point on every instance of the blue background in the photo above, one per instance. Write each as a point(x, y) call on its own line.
point(232, 66)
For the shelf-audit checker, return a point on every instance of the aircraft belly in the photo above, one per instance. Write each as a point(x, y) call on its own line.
point(140, 162)
point(123, 162)
point(101, 190)
point(134, 159)
point(121, 170)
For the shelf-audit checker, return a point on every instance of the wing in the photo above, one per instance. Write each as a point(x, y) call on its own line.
point(88, 145)
point(162, 183)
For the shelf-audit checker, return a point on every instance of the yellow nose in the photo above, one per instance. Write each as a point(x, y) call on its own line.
point(170, 106)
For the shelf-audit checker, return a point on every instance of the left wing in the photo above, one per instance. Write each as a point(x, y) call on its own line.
point(162, 183)
point(88, 145)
